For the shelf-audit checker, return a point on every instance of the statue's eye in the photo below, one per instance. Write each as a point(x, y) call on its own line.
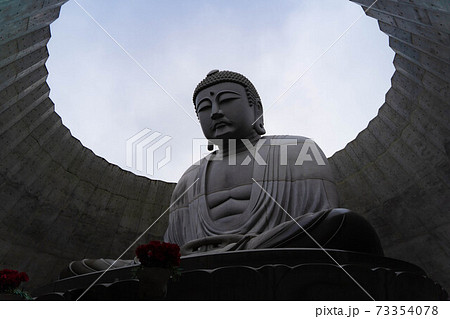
point(203, 105)
point(228, 96)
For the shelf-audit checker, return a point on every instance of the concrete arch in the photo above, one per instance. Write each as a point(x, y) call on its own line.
point(397, 170)
point(59, 201)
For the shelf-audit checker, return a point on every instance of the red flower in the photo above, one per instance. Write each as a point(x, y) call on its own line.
point(11, 279)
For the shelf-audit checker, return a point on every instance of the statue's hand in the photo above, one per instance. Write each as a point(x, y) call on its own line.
point(208, 244)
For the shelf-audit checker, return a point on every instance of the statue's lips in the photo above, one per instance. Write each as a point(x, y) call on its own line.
point(220, 124)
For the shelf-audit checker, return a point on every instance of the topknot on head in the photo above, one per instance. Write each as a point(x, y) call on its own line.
point(215, 76)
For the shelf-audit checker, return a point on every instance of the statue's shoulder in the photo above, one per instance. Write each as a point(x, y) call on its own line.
point(286, 139)
point(304, 156)
point(295, 142)
point(189, 177)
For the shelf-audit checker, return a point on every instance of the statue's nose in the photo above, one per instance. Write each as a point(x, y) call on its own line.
point(216, 112)
point(216, 115)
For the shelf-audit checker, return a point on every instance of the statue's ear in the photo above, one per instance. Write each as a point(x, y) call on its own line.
point(258, 126)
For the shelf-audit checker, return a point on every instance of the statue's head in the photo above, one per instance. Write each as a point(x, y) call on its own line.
point(228, 106)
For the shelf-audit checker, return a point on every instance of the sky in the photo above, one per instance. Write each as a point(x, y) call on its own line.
point(320, 72)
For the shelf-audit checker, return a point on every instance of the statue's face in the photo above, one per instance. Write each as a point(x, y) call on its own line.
point(224, 112)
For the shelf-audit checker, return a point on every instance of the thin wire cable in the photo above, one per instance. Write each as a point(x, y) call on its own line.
point(135, 61)
point(314, 62)
point(312, 238)
point(137, 239)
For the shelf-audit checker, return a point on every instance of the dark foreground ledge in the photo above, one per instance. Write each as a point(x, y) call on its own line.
point(266, 274)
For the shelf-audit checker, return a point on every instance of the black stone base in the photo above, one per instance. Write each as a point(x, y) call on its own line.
point(269, 274)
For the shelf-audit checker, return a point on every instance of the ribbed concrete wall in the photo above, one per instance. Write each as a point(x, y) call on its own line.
point(58, 200)
point(397, 171)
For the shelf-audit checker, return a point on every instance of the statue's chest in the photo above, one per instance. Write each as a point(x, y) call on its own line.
point(228, 190)
point(221, 175)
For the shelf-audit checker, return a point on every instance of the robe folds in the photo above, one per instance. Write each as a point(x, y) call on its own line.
point(294, 182)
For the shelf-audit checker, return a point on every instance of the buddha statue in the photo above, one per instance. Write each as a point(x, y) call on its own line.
point(257, 191)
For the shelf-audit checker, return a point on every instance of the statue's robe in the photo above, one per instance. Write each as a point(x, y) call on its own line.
point(289, 199)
